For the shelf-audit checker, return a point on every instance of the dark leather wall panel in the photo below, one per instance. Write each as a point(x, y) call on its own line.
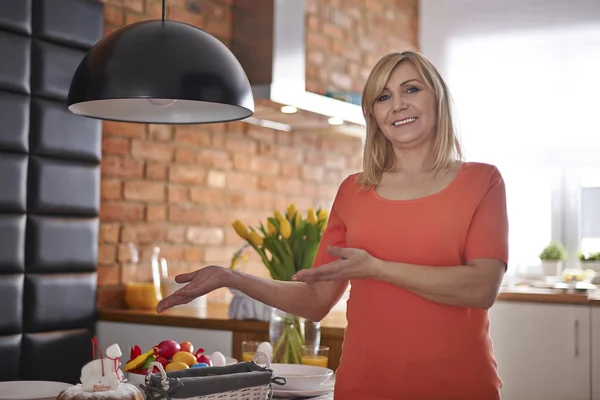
point(16, 61)
point(14, 130)
point(49, 191)
point(13, 182)
point(12, 237)
point(10, 354)
point(57, 23)
point(57, 132)
point(57, 244)
point(16, 15)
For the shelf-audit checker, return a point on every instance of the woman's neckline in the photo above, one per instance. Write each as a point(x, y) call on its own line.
point(462, 165)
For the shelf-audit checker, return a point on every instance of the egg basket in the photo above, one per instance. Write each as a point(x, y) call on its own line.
point(240, 381)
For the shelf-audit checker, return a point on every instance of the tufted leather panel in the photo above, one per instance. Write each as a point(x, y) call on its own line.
point(13, 182)
point(49, 191)
point(59, 244)
point(14, 69)
point(12, 237)
point(54, 21)
point(53, 355)
point(55, 66)
point(10, 354)
point(57, 132)
point(16, 15)
point(14, 114)
point(59, 187)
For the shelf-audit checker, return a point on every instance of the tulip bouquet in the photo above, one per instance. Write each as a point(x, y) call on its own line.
point(287, 243)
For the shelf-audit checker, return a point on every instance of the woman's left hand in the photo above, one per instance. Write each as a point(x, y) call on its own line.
point(352, 264)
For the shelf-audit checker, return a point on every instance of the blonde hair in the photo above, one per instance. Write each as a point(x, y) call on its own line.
point(378, 156)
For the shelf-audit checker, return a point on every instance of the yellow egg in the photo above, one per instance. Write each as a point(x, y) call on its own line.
point(185, 357)
point(176, 366)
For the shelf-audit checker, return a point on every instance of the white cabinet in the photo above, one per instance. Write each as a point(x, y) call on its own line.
point(127, 335)
point(543, 350)
point(595, 353)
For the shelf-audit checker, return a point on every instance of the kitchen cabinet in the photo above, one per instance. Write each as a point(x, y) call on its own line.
point(543, 350)
point(127, 335)
point(595, 353)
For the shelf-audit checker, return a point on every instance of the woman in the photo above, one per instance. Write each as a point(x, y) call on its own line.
point(421, 236)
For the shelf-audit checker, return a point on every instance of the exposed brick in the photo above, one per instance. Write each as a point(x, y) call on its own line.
point(121, 168)
point(240, 145)
point(124, 129)
point(109, 233)
point(187, 215)
point(107, 254)
point(146, 191)
point(193, 254)
point(239, 180)
point(216, 179)
point(193, 136)
point(156, 213)
point(113, 15)
point(176, 234)
point(312, 173)
point(125, 212)
point(111, 189)
point(108, 275)
point(155, 171)
point(115, 145)
point(151, 150)
point(200, 235)
point(207, 196)
point(161, 133)
point(143, 233)
point(187, 174)
point(217, 159)
point(177, 194)
point(185, 155)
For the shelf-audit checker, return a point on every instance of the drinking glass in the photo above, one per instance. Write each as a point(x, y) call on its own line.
point(249, 350)
point(315, 355)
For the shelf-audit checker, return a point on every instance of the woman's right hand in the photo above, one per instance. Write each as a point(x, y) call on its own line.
point(199, 283)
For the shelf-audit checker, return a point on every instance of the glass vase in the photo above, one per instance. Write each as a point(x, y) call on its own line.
point(288, 333)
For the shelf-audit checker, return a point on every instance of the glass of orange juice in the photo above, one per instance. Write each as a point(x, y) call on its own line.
point(249, 350)
point(315, 355)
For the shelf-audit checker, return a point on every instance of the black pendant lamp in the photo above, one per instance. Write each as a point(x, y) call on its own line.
point(162, 72)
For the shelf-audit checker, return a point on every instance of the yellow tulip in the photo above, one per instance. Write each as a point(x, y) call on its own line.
point(311, 217)
point(278, 215)
point(285, 227)
point(271, 229)
point(323, 227)
point(291, 210)
point(241, 229)
point(298, 217)
point(255, 238)
point(322, 214)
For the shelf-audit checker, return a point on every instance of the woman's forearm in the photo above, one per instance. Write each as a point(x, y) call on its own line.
point(462, 285)
point(312, 301)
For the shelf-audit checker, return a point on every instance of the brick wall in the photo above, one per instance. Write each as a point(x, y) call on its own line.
point(345, 38)
point(180, 187)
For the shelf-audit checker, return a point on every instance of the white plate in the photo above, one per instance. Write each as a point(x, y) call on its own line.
point(31, 390)
point(294, 394)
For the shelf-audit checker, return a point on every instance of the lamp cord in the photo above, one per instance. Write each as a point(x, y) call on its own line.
point(164, 9)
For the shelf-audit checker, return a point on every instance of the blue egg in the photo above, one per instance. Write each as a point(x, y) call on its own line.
point(200, 365)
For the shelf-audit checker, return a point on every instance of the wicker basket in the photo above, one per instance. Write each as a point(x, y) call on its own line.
point(241, 381)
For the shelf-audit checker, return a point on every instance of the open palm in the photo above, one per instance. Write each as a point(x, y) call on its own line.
point(199, 283)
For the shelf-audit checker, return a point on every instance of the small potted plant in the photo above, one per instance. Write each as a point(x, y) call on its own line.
point(591, 261)
point(552, 258)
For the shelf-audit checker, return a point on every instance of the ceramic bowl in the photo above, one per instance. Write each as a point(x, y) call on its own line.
point(302, 377)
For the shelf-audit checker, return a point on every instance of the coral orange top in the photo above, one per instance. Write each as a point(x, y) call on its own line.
point(398, 345)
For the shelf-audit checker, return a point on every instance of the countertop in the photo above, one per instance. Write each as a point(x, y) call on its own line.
point(332, 327)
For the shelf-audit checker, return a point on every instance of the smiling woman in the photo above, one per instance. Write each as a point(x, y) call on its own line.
point(422, 237)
